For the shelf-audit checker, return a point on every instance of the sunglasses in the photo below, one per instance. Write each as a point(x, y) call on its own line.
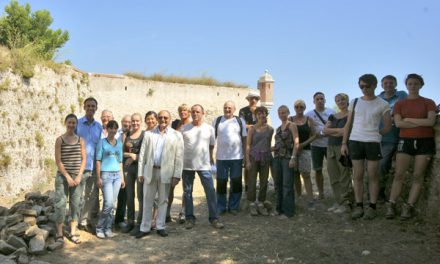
point(299, 107)
point(364, 86)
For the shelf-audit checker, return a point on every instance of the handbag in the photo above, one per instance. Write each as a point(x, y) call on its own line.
point(346, 160)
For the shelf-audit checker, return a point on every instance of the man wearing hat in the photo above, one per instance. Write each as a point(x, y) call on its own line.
point(248, 114)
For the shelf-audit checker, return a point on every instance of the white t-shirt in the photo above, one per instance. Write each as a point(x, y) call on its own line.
point(229, 143)
point(319, 125)
point(196, 142)
point(367, 116)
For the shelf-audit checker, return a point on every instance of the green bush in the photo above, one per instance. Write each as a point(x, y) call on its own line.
point(39, 139)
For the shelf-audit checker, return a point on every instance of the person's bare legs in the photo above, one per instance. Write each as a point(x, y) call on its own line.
point(373, 179)
point(298, 184)
point(421, 162)
point(307, 185)
point(402, 165)
point(358, 184)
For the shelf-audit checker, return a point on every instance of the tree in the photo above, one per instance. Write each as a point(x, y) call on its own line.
point(21, 28)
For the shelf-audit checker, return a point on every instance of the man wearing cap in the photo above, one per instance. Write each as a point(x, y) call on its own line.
point(248, 114)
point(320, 116)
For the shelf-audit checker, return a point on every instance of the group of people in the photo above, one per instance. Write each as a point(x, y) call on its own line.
point(121, 161)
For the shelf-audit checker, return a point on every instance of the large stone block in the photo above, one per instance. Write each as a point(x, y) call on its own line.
point(3, 211)
point(16, 242)
point(32, 196)
point(18, 229)
point(28, 212)
point(6, 260)
point(35, 231)
point(37, 245)
point(5, 248)
point(14, 219)
point(31, 220)
point(38, 209)
point(20, 205)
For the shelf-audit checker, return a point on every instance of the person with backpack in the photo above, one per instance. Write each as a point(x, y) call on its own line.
point(231, 142)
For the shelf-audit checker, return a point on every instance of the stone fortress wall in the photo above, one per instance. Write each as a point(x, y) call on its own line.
point(32, 114)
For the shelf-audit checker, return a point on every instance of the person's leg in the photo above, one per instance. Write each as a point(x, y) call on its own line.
point(188, 182)
point(318, 154)
point(107, 194)
point(85, 197)
point(403, 162)
point(140, 198)
point(358, 182)
point(373, 180)
point(130, 183)
point(60, 200)
point(277, 173)
point(149, 192)
point(74, 203)
point(298, 183)
point(211, 198)
point(421, 162)
point(333, 166)
point(223, 169)
point(94, 201)
point(121, 206)
point(288, 198)
point(252, 181)
point(163, 190)
point(116, 186)
point(170, 203)
point(263, 176)
point(236, 187)
point(388, 150)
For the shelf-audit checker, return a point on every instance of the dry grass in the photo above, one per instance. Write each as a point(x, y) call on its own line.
point(202, 80)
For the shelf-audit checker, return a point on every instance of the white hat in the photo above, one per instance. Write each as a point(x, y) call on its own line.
point(253, 94)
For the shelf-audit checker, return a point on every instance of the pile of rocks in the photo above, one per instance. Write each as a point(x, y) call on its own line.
point(27, 228)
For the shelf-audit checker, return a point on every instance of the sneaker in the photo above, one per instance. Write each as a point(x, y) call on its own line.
point(311, 205)
point(333, 208)
point(181, 218)
point(189, 224)
point(127, 228)
point(100, 235)
point(109, 234)
point(253, 209)
point(357, 213)
point(407, 211)
point(262, 210)
point(283, 217)
point(217, 224)
point(391, 210)
point(342, 209)
point(370, 213)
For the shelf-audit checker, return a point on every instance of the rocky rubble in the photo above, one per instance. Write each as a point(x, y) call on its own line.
point(27, 229)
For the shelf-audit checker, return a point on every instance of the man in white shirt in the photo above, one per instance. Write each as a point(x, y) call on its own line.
point(160, 166)
point(231, 135)
point(363, 143)
point(199, 140)
point(320, 116)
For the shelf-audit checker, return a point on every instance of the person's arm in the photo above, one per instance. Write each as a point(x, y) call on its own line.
point(99, 157)
point(295, 138)
point(83, 161)
point(427, 122)
point(400, 123)
point(334, 132)
point(248, 147)
point(178, 160)
point(141, 159)
point(386, 117)
point(60, 165)
point(122, 175)
point(344, 148)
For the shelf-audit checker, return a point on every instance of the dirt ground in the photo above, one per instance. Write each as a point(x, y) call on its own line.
point(309, 237)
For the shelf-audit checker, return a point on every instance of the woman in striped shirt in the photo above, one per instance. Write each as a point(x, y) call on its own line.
point(70, 157)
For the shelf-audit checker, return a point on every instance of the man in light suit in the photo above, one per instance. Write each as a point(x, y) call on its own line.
point(160, 166)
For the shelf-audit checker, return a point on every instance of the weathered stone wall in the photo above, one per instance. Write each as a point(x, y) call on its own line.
point(32, 113)
point(432, 184)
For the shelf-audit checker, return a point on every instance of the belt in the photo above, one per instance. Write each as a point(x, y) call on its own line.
point(156, 167)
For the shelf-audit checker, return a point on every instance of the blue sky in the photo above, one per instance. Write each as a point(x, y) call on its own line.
point(307, 46)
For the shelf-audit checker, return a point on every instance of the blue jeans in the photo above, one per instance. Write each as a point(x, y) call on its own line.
point(111, 183)
point(229, 169)
point(285, 188)
point(388, 150)
point(208, 186)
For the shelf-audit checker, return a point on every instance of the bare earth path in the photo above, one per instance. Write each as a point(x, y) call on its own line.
point(310, 237)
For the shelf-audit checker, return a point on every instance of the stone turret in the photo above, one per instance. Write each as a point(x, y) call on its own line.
point(265, 85)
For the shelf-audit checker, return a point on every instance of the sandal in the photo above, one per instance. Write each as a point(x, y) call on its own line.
point(74, 238)
point(59, 239)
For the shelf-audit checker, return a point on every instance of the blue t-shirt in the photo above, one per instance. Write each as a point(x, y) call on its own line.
point(393, 135)
point(109, 155)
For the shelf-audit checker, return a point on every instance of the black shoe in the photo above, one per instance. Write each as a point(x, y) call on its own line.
point(141, 234)
point(168, 219)
point(127, 228)
point(162, 233)
point(87, 228)
point(135, 230)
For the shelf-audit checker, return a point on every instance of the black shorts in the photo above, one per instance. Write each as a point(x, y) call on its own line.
point(416, 146)
point(364, 150)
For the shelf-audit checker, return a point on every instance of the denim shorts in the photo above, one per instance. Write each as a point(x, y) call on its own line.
point(318, 154)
